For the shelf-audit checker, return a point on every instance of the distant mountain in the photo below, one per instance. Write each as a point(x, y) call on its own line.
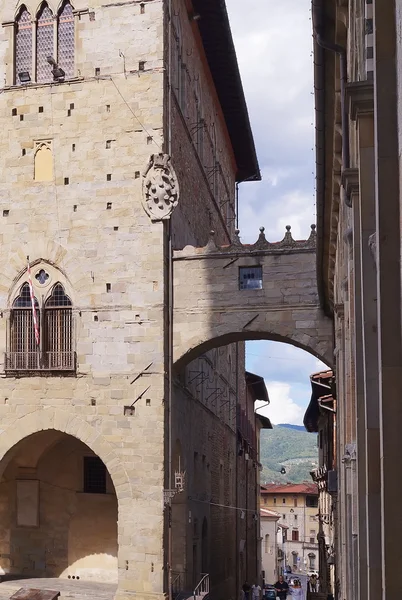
point(289, 426)
point(291, 447)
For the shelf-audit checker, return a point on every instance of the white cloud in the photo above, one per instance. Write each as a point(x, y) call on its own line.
point(282, 409)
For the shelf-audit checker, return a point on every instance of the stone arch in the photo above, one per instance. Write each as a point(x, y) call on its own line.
point(194, 346)
point(59, 420)
point(54, 276)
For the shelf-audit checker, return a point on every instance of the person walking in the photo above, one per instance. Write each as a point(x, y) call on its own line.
point(297, 591)
point(256, 592)
point(282, 588)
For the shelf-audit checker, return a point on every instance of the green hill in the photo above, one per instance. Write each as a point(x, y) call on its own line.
point(291, 447)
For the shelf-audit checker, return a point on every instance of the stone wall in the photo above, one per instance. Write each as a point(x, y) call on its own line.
point(76, 533)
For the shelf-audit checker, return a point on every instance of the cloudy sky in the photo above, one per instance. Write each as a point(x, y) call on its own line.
point(274, 49)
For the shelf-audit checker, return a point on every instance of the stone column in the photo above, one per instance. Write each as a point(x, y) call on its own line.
point(388, 242)
point(362, 111)
point(351, 185)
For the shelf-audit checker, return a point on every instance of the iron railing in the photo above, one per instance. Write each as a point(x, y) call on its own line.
point(40, 361)
point(202, 588)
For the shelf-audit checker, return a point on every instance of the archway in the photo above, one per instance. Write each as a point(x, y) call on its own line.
point(58, 510)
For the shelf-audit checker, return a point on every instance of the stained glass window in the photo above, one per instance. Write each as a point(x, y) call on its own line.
point(23, 44)
point(65, 39)
point(44, 44)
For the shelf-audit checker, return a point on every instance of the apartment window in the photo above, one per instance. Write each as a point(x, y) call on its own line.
point(294, 557)
point(311, 560)
point(283, 500)
point(94, 475)
point(47, 345)
point(284, 517)
point(274, 500)
point(295, 517)
point(45, 31)
point(295, 501)
point(250, 278)
point(295, 535)
point(312, 501)
point(312, 536)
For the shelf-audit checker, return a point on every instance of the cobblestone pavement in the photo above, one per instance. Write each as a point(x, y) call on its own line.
point(69, 589)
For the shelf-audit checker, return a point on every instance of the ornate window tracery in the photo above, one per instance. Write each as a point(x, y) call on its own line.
point(53, 37)
point(52, 349)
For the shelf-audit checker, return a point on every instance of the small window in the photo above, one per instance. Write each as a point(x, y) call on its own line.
point(94, 475)
point(295, 517)
point(295, 535)
point(295, 501)
point(284, 517)
point(312, 501)
point(274, 500)
point(250, 278)
point(283, 500)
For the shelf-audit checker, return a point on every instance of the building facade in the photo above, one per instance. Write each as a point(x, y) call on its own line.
point(269, 545)
point(113, 115)
point(357, 50)
point(297, 505)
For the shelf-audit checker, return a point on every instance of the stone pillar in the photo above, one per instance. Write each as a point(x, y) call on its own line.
point(351, 185)
point(388, 241)
point(362, 110)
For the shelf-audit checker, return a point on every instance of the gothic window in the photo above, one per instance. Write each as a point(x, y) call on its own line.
point(58, 329)
point(55, 40)
point(23, 347)
point(23, 44)
point(49, 344)
point(44, 44)
point(65, 39)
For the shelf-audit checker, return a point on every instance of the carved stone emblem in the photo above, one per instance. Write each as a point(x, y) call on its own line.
point(160, 188)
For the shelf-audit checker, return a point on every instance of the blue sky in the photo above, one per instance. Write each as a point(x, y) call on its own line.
point(274, 49)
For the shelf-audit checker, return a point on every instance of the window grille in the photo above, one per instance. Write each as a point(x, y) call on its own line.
point(250, 278)
point(23, 44)
point(66, 40)
point(94, 475)
point(55, 323)
point(44, 44)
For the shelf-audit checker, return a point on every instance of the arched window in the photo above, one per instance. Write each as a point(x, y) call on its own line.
point(24, 351)
point(66, 39)
point(44, 44)
point(311, 558)
point(52, 349)
point(58, 329)
point(23, 44)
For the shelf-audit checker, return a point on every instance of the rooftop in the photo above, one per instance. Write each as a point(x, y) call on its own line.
point(219, 48)
point(289, 488)
point(265, 512)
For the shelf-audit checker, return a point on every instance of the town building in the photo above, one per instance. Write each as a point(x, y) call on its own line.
point(125, 130)
point(269, 545)
point(297, 505)
point(357, 58)
point(320, 418)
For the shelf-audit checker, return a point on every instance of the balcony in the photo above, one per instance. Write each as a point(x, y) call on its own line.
point(28, 363)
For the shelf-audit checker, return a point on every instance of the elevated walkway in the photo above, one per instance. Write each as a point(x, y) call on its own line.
point(225, 294)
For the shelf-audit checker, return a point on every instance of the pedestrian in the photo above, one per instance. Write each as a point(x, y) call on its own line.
point(281, 588)
point(297, 591)
point(246, 589)
point(256, 592)
point(313, 583)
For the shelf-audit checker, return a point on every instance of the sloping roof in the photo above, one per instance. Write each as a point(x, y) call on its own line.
point(289, 488)
point(265, 512)
point(321, 384)
point(257, 386)
point(219, 48)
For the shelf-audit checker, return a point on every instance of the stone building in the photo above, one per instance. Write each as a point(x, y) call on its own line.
point(269, 545)
point(357, 57)
point(97, 431)
point(297, 505)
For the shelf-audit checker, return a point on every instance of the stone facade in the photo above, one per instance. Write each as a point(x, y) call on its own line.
point(358, 110)
point(74, 155)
